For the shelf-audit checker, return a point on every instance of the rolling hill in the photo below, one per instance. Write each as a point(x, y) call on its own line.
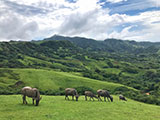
point(51, 82)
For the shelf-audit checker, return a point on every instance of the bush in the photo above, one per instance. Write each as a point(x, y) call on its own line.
point(130, 70)
point(110, 64)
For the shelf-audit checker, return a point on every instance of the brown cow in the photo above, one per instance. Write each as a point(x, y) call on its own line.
point(90, 94)
point(31, 92)
point(71, 92)
point(104, 93)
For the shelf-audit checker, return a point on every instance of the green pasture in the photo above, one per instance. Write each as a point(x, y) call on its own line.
point(56, 108)
point(49, 81)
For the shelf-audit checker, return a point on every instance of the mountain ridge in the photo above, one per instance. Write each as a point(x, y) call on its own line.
point(108, 45)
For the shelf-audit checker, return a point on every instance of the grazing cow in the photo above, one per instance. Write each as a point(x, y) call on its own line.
point(104, 93)
point(121, 97)
point(90, 94)
point(31, 92)
point(71, 92)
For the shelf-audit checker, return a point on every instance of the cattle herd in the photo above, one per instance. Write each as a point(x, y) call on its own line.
point(35, 95)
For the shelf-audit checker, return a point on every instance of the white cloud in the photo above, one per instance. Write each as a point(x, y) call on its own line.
point(134, 5)
point(60, 17)
point(121, 35)
point(145, 17)
point(149, 34)
point(149, 22)
point(14, 27)
point(156, 2)
point(116, 1)
point(26, 20)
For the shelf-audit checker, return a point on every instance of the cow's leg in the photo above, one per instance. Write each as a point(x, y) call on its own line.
point(23, 99)
point(72, 97)
point(85, 97)
point(105, 99)
point(65, 97)
point(90, 99)
point(33, 101)
point(108, 99)
point(26, 100)
point(99, 98)
point(93, 98)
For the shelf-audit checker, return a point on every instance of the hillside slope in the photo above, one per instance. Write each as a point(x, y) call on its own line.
point(51, 82)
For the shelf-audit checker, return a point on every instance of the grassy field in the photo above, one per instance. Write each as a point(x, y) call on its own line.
point(52, 81)
point(56, 108)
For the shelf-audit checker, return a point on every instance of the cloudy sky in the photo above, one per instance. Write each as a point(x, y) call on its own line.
point(99, 19)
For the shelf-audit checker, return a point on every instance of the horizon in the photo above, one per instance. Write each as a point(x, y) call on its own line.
point(133, 20)
point(74, 37)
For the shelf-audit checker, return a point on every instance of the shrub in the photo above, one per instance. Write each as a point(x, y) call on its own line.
point(130, 70)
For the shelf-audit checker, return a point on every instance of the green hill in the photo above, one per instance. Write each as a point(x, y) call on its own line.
point(56, 108)
point(133, 64)
point(51, 82)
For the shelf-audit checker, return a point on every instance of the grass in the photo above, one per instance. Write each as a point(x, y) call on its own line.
point(46, 80)
point(49, 80)
point(56, 108)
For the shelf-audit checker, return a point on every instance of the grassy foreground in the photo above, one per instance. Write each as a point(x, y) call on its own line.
point(56, 108)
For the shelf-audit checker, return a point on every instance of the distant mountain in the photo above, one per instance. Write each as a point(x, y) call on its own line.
point(110, 45)
point(84, 43)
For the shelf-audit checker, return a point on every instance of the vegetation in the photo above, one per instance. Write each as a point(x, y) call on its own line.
point(55, 107)
point(51, 82)
point(132, 64)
